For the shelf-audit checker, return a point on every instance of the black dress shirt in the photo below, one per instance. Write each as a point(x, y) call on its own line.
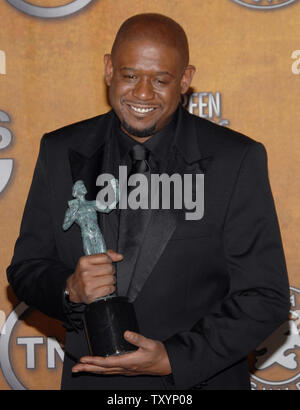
point(160, 145)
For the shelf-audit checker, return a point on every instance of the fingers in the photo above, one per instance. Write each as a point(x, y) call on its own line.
point(115, 256)
point(127, 362)
point(100, 258)
point(105, 365)
point(94, 277)
point(151, 358)
point(95, 291)
point(106, 269)
point(100, 370)
point(139, 340)
point(97, 281)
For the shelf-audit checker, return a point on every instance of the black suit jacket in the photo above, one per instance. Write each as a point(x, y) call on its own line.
point(210, 289)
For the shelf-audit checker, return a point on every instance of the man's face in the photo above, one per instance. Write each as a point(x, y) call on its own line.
point(145, 80)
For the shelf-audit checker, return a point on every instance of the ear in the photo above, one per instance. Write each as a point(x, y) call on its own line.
point(108, 67)
point(186, 78)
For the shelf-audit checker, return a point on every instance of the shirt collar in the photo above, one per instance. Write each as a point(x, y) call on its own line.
point(158, 144)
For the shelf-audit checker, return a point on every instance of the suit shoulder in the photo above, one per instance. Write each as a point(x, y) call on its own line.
point(222, 133)
point(222, 140)
point(72, 131)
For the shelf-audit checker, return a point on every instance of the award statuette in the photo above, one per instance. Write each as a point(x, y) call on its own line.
point(107, 318)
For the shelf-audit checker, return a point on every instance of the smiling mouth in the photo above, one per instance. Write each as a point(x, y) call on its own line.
point(141, 110)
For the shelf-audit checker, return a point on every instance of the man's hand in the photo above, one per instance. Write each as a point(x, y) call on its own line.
point(151, 358)
point(94, 277)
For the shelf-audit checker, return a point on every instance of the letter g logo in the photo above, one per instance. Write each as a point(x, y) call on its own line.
point(49, 12)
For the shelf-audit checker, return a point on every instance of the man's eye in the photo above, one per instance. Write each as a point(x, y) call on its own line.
point(130, 76)
point(161, 82)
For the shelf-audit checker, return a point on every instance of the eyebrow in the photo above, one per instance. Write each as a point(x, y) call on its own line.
point(158, 73)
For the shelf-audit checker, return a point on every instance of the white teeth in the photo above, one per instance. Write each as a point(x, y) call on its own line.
point(141, 110)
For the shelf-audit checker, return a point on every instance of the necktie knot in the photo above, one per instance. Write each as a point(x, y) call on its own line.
point(139, 153)
point(139, 156)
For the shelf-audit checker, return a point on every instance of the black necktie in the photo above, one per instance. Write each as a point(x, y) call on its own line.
point(133, 224)
point(140, 159)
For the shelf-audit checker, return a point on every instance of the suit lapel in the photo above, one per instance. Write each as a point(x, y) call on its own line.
point(87, 155)
point(133, 273)
point(87, 169)
point(186, 158)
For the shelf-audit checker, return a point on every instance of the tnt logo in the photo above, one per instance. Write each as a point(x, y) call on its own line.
point(31, 353)
point(280, 354)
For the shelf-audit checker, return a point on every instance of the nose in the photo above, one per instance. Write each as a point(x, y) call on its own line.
point(143, 90)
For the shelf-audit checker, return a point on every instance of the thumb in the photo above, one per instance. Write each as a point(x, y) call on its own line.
point(138, 340)
point(115, 257)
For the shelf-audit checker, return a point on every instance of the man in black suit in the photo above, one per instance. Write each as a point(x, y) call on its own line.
point(206, 292)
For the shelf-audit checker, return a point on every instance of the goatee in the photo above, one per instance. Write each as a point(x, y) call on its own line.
point(147, 132)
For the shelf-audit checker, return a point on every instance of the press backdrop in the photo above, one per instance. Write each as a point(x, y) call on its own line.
point(51, 74)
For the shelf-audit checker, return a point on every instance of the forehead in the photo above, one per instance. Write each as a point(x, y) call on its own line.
point(147, 54)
